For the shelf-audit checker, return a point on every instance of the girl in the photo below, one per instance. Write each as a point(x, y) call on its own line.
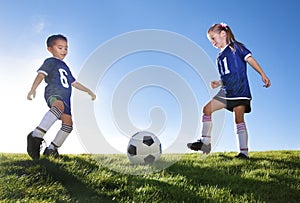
point(58, 91)
point(234, 94)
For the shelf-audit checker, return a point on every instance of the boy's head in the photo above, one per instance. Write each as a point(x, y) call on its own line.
point(58, 46)
point(51, 40)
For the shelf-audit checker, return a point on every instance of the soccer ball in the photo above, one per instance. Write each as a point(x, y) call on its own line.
point(143, 148)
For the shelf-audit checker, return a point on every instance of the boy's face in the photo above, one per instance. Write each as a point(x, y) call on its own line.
point(59, 49)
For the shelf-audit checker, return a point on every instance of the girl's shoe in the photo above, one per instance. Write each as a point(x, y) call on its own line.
point(200, 146)
point(242, 156)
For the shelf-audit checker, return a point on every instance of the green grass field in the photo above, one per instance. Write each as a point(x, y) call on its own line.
point(272, 176)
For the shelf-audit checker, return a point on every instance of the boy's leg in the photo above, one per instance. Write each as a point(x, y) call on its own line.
point(61, 135)
point(35, 138)
point(55, 113)
point(241, 131)
point(48, 120)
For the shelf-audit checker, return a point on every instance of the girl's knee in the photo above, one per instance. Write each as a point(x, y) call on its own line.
point(207, 109)
point(239, 112)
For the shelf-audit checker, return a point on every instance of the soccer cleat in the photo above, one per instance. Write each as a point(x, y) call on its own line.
point(34, 146)
point(199, 145)
point(241, 156)
point(51, 152)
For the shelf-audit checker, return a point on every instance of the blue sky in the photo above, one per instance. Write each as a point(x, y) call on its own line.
point(269, 29)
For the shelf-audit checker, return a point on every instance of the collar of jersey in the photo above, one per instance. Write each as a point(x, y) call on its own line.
point(221, 50)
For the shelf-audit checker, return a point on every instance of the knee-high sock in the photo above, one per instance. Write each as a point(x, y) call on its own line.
point(242, 138)
point(48, 120)
point(206, 129)
point(61, 136)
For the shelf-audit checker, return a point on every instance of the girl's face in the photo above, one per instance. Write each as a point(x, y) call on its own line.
point(218, 40)
point(59, 49)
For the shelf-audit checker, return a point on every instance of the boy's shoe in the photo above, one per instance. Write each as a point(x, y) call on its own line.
point(34, 146)
point(51, 152)
point(242, 156)
point(199, 145)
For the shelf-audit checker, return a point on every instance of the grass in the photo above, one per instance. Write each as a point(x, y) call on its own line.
point(272, 176)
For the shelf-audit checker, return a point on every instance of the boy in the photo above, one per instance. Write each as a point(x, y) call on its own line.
point(57, 94)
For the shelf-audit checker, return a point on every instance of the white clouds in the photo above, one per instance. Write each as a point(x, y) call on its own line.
point(39, 28)
point(38, 24)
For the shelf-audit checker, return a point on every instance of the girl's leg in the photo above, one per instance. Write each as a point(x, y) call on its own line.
point(208, 109)
point(204, 143)
point(241, 129)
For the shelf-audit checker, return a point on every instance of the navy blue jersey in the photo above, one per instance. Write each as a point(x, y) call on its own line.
point(59, 80)
point(232, 68)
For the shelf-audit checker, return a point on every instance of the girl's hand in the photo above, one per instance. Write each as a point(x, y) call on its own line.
point(267, 81)
point(216, 83)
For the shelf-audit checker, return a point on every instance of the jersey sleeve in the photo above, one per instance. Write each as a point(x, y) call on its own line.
point(72, 78)
point(47, 66)
point(243, 51)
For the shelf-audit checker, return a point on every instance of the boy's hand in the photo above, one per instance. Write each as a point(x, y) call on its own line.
point(92, 95)
point(31, 94)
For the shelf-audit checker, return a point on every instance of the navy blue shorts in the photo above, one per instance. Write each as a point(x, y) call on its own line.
point(67, 104)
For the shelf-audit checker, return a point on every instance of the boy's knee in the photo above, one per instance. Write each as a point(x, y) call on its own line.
point(59, 104)
point(67, 119)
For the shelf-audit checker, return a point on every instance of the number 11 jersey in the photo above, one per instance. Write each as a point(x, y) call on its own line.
point(232, 68)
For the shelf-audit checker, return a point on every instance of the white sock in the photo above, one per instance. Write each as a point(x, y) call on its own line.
point(61, 136)
point(242, 138)
point(48, 120)
point(206, 129)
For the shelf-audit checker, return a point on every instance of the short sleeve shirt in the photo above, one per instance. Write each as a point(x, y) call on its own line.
point(232, 67)
point(59, 79)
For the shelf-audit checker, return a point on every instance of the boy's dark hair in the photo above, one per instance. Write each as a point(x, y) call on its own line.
point(52, 38)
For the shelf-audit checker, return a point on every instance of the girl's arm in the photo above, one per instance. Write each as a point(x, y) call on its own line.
point(37, 81)
point(81, 87)
point(257, 67)
point(216, 83)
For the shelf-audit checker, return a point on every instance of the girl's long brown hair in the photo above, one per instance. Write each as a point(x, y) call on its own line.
point(230, 40)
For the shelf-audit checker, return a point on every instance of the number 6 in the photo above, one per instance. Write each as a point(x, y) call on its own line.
point(63, 78)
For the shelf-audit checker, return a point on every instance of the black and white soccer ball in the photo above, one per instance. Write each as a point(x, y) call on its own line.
point(144, 148)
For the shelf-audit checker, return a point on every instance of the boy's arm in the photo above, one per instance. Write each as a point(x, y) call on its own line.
point(257, 67)
point(37, 81)
point(81, 87)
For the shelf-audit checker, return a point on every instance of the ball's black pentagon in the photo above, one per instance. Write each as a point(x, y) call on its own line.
point(149, 159)
point(131, 150)
point(148, 140)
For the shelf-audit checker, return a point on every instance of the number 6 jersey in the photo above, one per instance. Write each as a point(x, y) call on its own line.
point(59, 80)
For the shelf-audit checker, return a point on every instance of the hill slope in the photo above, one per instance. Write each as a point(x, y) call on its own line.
point(272, 176)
